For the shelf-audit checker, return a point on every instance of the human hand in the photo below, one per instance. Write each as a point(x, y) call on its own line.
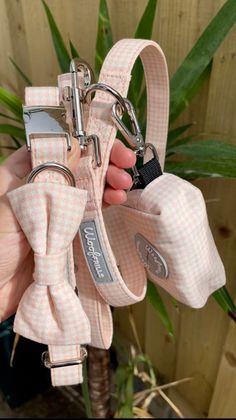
point(16, 257)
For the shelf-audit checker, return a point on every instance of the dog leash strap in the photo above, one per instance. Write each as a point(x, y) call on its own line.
point(116, 72)
point(97, 310)
point(68, 326)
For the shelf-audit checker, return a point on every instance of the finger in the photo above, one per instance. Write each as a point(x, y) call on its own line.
point(18, 163)
point(122, 156)
point(112, 196)
point(14, 170)
point(118, 179)
point(8, 222)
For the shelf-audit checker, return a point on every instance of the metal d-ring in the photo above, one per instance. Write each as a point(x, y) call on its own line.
point(58, 167)
point(104, 88)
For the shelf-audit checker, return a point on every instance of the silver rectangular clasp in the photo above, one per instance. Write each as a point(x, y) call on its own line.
point(44, 121)
point(59, 364)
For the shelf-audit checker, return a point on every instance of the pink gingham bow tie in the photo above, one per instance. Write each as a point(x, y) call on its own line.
point(50, 312)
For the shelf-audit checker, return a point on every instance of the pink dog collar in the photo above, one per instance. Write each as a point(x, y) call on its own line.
point(50, 312)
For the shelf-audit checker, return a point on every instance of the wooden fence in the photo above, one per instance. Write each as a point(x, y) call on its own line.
point(204, 345)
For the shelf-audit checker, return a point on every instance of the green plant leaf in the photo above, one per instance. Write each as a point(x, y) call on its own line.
point(62, 54)
point(11, 102)
point(21, 73)
point(213, 150)
point(8, 147)
point(124, 377)
point(9, 118)
point(199, 169)
point(12, 130)
point(143, 31)
point(209, 158)
point(85, 392)
point(191, 73)
point(158, 304)
point(176, 132)
point(104, 36)
point(145, 26)
point(120, 376)
point(141, 108)
point(225, 301)
point(184, 140)
point(16, 141)
point(74, 52)
point(125, 412)
point(141, 357)
point(2, 158)
point(130, 390)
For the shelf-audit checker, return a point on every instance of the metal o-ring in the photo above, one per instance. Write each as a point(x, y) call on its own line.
point(58, 167)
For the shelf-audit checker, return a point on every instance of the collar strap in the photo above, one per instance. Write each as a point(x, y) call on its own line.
point(62, 323)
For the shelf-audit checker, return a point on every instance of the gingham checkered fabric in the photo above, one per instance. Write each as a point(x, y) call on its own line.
point(49, 212)
point(129, 285)
point(120, 289)
point(50, 311)
point(170, 214)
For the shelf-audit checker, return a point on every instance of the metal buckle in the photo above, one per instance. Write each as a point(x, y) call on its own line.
point(45, 121)
point(75, 95)
point(135, 138)
point(52, 365)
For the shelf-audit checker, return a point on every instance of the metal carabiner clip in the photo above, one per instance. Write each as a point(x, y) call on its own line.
point(134, 138)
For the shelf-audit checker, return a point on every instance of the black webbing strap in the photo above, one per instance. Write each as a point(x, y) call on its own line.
point(146, 174)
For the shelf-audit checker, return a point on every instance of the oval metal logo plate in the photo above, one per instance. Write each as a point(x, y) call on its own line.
point(150, 257)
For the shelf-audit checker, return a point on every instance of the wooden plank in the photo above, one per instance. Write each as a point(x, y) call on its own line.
point(122, 324)
point(125, 16)
point(179, 25)
point(221, 124)
point(186, 409)
point(203, 332)
point(200, 334)
point(220, 121)
point(76, 21)
point(7, 74)
point(19, 40)
point(160, 347)
point(188, 20)
point(223, 402)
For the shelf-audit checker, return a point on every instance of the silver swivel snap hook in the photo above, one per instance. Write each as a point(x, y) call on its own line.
point(75, 94)
point(134, 138)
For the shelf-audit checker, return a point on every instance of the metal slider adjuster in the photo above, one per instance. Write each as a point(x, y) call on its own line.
point(59, 364)
point(45, 121)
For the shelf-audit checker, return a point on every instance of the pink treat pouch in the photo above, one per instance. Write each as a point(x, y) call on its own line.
point(167, 228)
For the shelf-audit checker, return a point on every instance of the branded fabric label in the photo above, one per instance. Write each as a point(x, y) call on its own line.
point(93, 252)
point(150, 257)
